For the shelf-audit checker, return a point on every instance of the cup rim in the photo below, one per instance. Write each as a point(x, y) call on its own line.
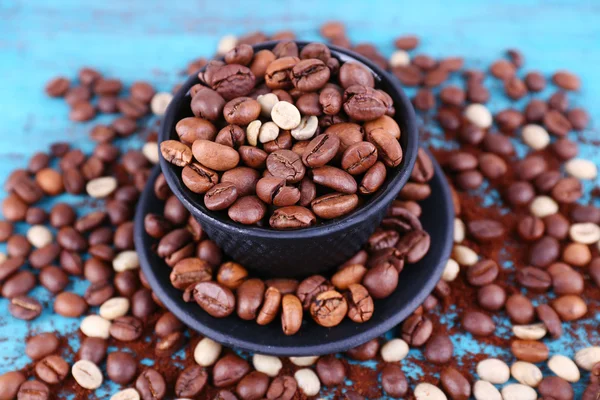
point(325, 228)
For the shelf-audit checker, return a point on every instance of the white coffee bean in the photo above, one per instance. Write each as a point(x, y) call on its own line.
point(307, 128)
point(394, 350)
point(564, 368)
point(269, 365)
point(101, 187)
point(464, 255)
point(226, 43)
point(535, 136)
point(450, 271)
point(207, 352)
point(87, 374)
point(459, 230)
point(483, 390)
point(160, 102)
point(308, 381)
point(517, 391)
point(285, 115)
point(126, 260)
point(530, 332)
point(581, 169)
point(39, 236)
point(150, 151)
point(268, 131)
point(95, 326)
point(267, 101)
point(585, 232)
point(114, 308)
point(427, 391)
point(252, 132)
point(479, 115)
point(127, 394)
point(542, 206)
point(494, 371)
point(588, 357)
point(399, 58)
point(526, 373)
point(304, 361)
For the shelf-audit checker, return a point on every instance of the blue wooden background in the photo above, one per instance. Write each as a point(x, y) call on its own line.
point(153, 40)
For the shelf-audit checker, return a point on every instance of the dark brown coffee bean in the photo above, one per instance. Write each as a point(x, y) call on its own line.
point(565, 280)
point(249, 298)
point(18, 246)
point(556, 123)
point(247, 210)
point(70, 305)
point(556, 388)
point(491, 297)
point(311, 74)
point(33, 390)
point(363, 103)
point(241, 111)
point(93, 349)
point(483, 273)
point(331, 370)
point(515, 88)
point(214, 298)
point(381, 280)
point(25, 308)
point(191, 129)
point(282, 388)
point(57, 87)
point(321, 150)
point(253, 386)
point(529, 350)
point(534, 279)
point(550, 319)
point(10, 383)
point(503, 70)
point(6, 230)
point(567, 190)
point(52, 369)
point(335, 178)
point(207, 104)
point(535, 81)
point(286, 164)
point(330, 99)
point(498, 144)
point(439, 349)
point(416, 330)
point(519, 309)
point(98, 292)
point(544, 252)
point(18, 284)
point(41, 345)
point(545, 181)
point(231, 136)
point(334, 205)
point(292, 217)
point(373, 178)
point(355, 74)
point(478, 323)
point(329, 308)
point(359, 157)
point(471, 134)
point(229, 370)
point(530, 228)
point(151, 385)
point(424, 100)
point(484, 230)
point(566, 80)
point(455, 384)
point(126, 329)
point(393, 381)
point(477, 93)
point(191, 381)
point(121, 367)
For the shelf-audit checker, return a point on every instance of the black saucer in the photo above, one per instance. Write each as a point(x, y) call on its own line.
point(416, 282)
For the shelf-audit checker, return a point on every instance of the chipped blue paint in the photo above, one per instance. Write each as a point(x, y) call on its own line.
point(153, 40)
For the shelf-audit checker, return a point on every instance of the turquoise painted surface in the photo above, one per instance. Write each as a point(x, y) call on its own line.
point(154, 40)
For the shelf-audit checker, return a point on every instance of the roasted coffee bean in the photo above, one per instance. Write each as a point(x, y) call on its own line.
point(363, 103)
point(241, 111)
point(18, 284)
point(52, 369)
point(329, 308)
point(93, 349)
point(439, 349)
point(247, 210)
point(126, 329)
point(252, 156)
point(214, 298)
point(151, 385)
point(291, 314)
point(191, 381)
point(393, 381)
point(478, 323)
point(25, 308)
point(215, 156)
point(334, 205)
point(207, 104)
point(359, 157)
point(121, 367)
point(249, 298)
point(70, 305)
point(483, 273)
point(10, 383)
point(529, 350)
point(416, 330)
point(97, 293)
point(42, 345)
point(530, 228)
point(534, 279)
point(33, 390)
point(292, 217)
point(414, 245)
point(282, 388)
point(310, 75)
point(360, 303)
point(229, 370)
point(519, 309)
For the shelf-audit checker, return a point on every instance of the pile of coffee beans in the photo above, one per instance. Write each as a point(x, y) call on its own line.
point(288, 134)
point(223, 287)
point(522, 287)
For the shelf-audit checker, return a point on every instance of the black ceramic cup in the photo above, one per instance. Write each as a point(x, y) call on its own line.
point(303, 252)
